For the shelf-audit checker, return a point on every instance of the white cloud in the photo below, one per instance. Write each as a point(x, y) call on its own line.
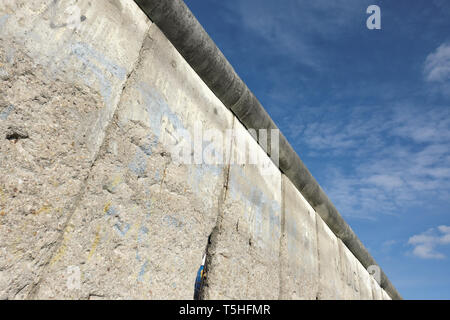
point(389, 243)
point(437, 68)
point(425, 243)
point(385, 181)
point(400, 154)
point(437, 64)
point(279, 24)
point(399, 157)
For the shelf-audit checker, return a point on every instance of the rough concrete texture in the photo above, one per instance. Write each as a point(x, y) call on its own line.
point(348, 268)
point(299, 255)
point(59, 86)
point(331, 286)
point(148, 218)
point(243, 257)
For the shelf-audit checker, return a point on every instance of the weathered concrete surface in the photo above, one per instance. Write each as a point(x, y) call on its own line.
point(59, 86)
point(331, 285)
point(243, 258)
point(299, 255)
point(148, 217)
point(349, 273)
point(365, 285)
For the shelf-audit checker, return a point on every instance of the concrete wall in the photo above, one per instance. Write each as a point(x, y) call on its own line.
point(93, 99)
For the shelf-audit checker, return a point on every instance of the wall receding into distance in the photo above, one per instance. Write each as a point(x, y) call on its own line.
point(93, 97)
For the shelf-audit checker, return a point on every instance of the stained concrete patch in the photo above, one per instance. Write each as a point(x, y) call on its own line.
point(6, 111)
point(3, 19)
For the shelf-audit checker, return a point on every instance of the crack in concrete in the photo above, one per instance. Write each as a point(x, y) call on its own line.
point(213, 237)
point(35, 286)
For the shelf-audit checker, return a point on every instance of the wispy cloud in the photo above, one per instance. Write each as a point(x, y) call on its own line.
point(437, 68)
point(385, 159)
point(437, 64)
point(426, 243)
point(389, 243)
point(393, 158)
point(279, 23)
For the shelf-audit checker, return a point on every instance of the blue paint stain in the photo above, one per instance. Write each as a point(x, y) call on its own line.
point(142, 231)
point(157, 108)
point(138, 257)
point(112, 211)
point(3, 19)
point(172, 221)
point(122, 228)
point(147, 148)
point(198, 173)
point(148, 205)
point(139, 163)
point(263, 207)
point(88, 55)
point(157, 176)
point(143, 270)
point(6, 112)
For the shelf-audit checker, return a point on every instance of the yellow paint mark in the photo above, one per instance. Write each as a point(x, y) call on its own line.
point(2, 213)
point(95, 243)
point(106, 207)
point(44, 209)
point(63, 248)
point(116, 180)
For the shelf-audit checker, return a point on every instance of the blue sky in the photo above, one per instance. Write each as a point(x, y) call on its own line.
point(368, 111)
